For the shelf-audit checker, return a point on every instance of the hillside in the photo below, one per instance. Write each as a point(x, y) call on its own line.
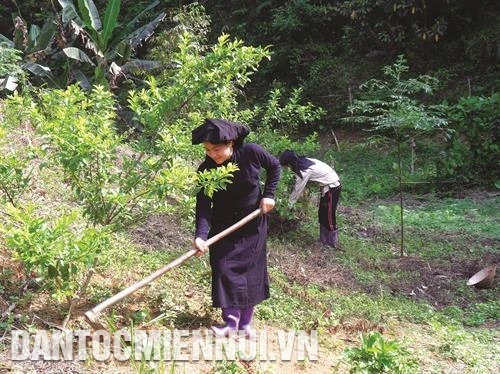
point(419, 301)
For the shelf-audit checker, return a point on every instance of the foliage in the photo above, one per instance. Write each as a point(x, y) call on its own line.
point(287, 116)
point(56, 251)
point(212, 181)
point(114, 184)
point(207, 82)
point(447, 215)
point(11, 73)
point(112, 43)
point(460, 345)
point(363, 169)
point(395, 21)
point(377, 355)
point(362, 37)
point(191, 19)
point(201, 86)
point(390, 106)
point(15, 172)
point(473, 149)
point(30, 50)
point(227, 367)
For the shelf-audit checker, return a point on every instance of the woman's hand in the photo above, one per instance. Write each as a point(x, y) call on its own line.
point(267, 204)
point(201, 246)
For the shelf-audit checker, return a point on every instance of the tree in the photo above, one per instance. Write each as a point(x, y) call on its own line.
point(118, 178)
point(393, 111)
point(30, 51)
point(111, 43)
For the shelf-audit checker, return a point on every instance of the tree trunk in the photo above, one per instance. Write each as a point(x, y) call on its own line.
point(400, 174)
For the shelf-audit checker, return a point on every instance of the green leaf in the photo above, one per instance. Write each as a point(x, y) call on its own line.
point(77, 54)
point(52, 271)
point(34, 33)
point(90, 14)
point(9, 83)
point(4, 39)
point(64, 270)
point(143, 65)
point(69, 12)
point(136, 18)
point(46, 34)
point(145, 32)
point(82, 79)
point(110, 20)
point(37, 69)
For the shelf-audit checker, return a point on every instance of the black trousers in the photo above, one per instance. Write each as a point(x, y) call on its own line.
point(327, 211)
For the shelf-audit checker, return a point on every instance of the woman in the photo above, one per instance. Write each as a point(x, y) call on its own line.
point(309, 169)
point(239, 264)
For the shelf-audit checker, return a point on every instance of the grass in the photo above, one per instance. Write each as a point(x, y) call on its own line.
point(420, 300)
point(447, 215)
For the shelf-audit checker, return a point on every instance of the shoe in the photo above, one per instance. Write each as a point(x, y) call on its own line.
point(250, 333)
point(223, 331)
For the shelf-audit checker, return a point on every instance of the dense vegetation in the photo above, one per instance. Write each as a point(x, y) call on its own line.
point(96, 166)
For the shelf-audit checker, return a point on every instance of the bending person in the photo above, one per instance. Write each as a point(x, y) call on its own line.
point(310, 169)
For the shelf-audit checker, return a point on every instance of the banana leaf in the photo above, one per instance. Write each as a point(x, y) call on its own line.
point(90, 14)
point(110, 20)
point(37, 69)
point(77, 54)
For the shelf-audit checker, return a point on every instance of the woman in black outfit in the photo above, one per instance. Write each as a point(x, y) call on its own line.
point(239, 264)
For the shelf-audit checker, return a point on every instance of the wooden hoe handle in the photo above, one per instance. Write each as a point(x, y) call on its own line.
point(93, 313)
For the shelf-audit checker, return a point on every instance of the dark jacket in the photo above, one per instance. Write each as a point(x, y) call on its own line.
point(239, 264)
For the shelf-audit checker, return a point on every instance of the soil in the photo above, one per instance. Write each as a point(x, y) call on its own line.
point(438, 283)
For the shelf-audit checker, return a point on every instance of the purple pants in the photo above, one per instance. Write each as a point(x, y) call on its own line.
point(236, 318)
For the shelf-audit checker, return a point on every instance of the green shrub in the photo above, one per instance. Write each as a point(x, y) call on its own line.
point(377, 355)
point(473, 150)
point(57, 252)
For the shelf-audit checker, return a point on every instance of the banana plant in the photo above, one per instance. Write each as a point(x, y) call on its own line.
point(110, 44)
point(30, 50)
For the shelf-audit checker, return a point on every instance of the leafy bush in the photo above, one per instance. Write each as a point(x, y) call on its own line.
point(376, 355)
point(116, 182)
point(11, 72)
point(111, 42)
point(29, 51)
point(15, 173)
point(288, 115)
point(473, 150)
point(57, 251)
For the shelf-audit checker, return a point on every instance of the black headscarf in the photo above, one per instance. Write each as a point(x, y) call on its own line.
point(296, 163)
point(218, 131)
